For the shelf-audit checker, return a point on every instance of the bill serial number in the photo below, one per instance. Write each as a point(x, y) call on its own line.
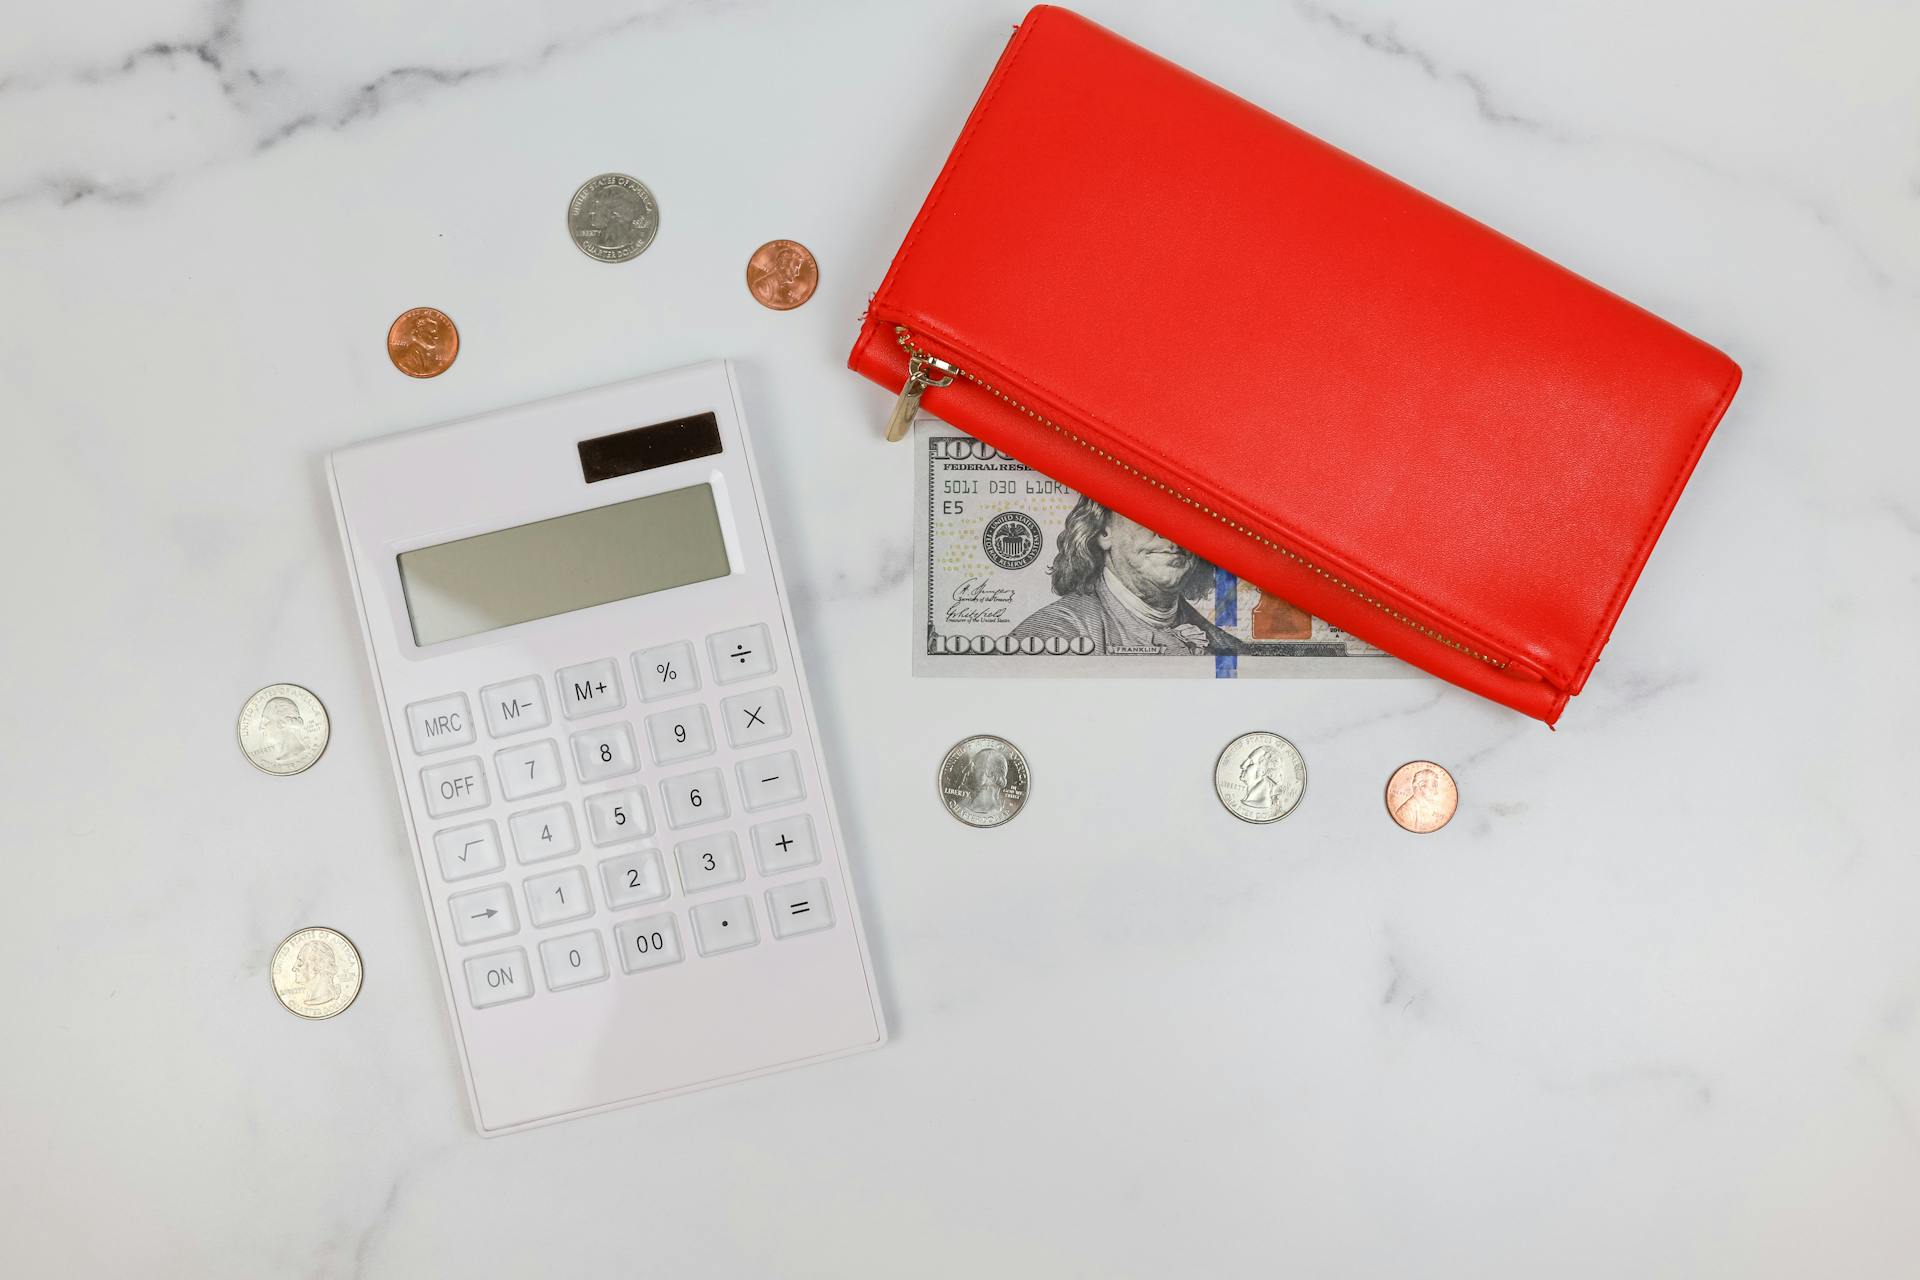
point(1036, 486)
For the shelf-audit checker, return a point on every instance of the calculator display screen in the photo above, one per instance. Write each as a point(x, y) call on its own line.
point(570, 562)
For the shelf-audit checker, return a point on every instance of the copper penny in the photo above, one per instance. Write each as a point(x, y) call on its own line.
point(422, 343)
point(782, 274)
point(1421, 796)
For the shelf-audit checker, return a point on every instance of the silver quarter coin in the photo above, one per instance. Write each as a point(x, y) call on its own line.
point(283, 729)
point(1260, 777)
point(983, 781)
point(316, 972)
point(613, 218)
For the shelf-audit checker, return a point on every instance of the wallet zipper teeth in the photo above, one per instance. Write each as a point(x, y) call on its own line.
point(919, 379)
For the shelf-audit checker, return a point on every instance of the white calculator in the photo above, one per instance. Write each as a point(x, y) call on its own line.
point(605, 749)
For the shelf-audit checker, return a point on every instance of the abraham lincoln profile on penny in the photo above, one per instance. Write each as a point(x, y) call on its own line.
point(1422, 796)
point(422, 343)
point(782, 274)
point(1126, 589)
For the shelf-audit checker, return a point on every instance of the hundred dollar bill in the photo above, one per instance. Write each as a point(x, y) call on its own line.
point(1016, 574)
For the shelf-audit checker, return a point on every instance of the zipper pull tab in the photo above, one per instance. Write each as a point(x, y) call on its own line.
point(919, 378)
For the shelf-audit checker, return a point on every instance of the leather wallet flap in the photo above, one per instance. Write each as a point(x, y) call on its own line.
point(1311, 370)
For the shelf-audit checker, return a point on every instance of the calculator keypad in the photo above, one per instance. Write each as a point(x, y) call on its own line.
point(706, 889)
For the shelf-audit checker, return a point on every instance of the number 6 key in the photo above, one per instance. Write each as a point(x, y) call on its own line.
point(693, 798)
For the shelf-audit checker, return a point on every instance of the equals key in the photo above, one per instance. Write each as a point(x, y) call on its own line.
point(799, 908)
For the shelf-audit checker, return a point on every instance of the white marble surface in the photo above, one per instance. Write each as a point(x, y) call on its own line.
point(1649, 1007)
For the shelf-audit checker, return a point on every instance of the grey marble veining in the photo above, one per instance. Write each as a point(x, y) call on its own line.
point(1649, 1006)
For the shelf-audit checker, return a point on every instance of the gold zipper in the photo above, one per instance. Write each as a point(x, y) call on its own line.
point(918, 380)
point(926, 370)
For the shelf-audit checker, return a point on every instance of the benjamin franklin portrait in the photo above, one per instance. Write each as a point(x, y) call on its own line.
point(1127, 589)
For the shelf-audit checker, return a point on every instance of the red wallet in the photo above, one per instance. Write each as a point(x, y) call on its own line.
point(1297, 367)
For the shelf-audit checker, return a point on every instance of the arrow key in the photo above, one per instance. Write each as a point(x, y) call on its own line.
point(483, 914)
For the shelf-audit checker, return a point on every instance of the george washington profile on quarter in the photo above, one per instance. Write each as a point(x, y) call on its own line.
point(283, 729)
point(1260, 777)
point(316, 972)
point(612, 218)
point(983, 781)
